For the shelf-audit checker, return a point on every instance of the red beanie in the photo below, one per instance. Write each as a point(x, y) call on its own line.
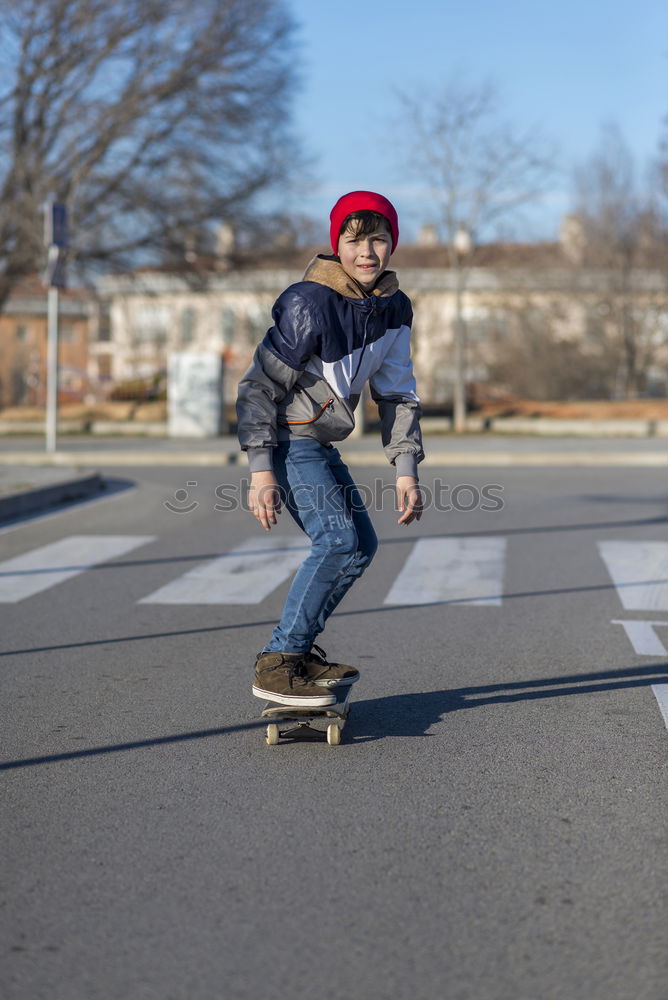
point(359, 201)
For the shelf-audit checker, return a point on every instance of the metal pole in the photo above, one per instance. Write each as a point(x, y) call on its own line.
point(459, 395)
point(461, 247)
point(52, 371)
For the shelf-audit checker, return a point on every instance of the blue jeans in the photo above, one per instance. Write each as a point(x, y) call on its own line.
point(321, 496)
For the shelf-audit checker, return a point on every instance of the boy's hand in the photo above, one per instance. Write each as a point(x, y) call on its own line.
point(264, 498)
point(409, 499)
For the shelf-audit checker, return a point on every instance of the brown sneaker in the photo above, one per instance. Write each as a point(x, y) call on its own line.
point(327, 675)
point(279, 677)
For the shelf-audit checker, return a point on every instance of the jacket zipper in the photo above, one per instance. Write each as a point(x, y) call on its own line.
point(366, 328)
point(312, 420)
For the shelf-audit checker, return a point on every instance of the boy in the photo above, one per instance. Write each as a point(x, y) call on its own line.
point(345, 324)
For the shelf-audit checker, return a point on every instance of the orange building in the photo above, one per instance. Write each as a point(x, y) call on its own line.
point(23, 345)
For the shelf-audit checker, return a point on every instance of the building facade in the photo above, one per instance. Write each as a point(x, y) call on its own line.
point(23, 346)
point(540, 321)
point(536, 320)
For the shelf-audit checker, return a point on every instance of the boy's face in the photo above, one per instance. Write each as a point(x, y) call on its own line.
point(365, 258)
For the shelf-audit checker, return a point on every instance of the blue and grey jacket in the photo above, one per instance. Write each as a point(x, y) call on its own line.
point(328, 339)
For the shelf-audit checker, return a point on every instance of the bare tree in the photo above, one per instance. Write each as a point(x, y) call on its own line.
point(478, 168)
point(148, 118)
point(621, 235)
point(531, 359)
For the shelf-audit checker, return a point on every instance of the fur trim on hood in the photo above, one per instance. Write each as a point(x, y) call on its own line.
point(327, 270)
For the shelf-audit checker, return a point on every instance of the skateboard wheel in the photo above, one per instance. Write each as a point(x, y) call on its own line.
point(333, 735)
point(272, 734)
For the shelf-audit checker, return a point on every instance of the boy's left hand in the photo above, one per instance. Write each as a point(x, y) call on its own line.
point(409, 499)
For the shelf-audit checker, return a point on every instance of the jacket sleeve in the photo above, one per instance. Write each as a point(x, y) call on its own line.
point(393, 389)
point(277, 363)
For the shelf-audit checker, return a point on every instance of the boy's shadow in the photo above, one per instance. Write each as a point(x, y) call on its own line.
point(413, 714)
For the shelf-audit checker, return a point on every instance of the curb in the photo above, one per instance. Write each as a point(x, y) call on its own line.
point(213, 459)
point(95, 459)
point(634, 427)
point(623, 459)
point(43, 497)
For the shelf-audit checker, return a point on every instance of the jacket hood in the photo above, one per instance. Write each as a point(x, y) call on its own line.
point(327, 270)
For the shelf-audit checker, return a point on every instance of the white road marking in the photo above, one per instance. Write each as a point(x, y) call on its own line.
point(459, 570)
point(661, 694)
point(245, 575)
point(646, 642)
point(639, 571)
point(42, 568)
point(643, 638)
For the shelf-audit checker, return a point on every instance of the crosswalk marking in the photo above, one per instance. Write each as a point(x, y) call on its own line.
point(642, 637)
point(42, 568)
point(639, 571)
point(461, 570)
point(661, 695)
point(245, 575)
point(448, 570)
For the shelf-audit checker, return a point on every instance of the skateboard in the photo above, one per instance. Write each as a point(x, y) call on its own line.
point(338, 712)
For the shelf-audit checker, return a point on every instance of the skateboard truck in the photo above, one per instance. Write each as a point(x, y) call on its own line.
point(303, 717)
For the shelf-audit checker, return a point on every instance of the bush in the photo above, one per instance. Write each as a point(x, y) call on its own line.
point(140, 390)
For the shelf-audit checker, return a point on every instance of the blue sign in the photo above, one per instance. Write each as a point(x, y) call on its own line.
point(55, 228)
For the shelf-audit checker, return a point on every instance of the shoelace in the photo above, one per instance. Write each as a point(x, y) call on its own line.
point(295, 671)
point(320, 654)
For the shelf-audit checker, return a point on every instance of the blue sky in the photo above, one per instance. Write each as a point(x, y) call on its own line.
point(567, 67)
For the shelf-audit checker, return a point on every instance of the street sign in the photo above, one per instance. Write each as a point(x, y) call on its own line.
point(55, 224)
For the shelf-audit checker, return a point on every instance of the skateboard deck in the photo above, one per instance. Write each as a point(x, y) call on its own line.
point(335, 715)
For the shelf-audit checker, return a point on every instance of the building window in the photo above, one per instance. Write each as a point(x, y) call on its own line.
point(188, 324)
point(151, 324)
point(104, 322)
point(21, 332)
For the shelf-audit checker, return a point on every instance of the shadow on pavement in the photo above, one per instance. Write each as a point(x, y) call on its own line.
point(111, 485)
point(414, 713)
point(391, 608)
point(120, 485)
point(407, 715)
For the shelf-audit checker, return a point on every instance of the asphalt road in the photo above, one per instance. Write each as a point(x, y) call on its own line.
point(493, 826)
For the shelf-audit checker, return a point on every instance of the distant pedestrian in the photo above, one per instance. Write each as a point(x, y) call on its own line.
point(345, 324)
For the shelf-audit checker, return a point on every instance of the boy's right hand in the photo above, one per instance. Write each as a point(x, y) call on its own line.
point(264, 498)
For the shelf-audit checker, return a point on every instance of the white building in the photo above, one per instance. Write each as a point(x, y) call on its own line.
point(534, 302)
